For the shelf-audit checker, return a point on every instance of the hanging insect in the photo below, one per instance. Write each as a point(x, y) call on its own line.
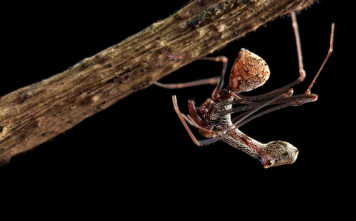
point(213, 118)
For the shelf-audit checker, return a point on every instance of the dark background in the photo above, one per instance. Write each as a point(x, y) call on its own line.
point(137, 152)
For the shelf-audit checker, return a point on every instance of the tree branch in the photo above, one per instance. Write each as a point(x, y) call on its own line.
point(36, 113)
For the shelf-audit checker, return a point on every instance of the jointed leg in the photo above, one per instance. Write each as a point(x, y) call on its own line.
point(223, 133)
point(299, 47)
point(284, 102)
point(252, 102)
point(256, 98)
point(184, 118)
point(300, 58)
point(326, 58)
point(180, 115)
point(214, 80)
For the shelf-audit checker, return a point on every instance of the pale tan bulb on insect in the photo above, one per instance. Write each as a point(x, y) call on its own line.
point(276, 153)
point(249, 71)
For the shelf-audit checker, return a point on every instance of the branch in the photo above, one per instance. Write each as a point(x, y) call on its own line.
point(36, 113)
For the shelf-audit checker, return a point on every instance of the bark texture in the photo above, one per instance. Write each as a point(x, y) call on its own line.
point(36, 113)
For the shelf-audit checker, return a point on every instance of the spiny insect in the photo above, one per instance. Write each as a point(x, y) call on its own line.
point(213, 118)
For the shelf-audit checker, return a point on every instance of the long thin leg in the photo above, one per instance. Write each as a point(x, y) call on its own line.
point(296, 100)
point(262, 97)
point(250, 102)
point(243, 117)
point(218, 88)
point(299, 47)
point(255, 102)
point(285, 101)
point(331, 48)
point(223, 133)
point(176, 108)
point(302, 73)
point(300, 57)
point(214, 80)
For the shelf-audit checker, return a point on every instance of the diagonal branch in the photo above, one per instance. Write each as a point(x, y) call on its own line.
point(36, 113)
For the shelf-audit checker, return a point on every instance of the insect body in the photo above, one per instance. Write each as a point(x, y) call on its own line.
point(214, 117)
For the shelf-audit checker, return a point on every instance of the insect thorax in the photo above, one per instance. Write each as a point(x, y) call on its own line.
point(214, 115)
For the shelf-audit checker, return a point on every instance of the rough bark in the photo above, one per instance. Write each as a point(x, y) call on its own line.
point(36, 113)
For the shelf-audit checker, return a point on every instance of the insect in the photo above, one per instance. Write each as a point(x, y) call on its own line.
point(214, 118)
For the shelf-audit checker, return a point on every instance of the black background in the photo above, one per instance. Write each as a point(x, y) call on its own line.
point(137, 152)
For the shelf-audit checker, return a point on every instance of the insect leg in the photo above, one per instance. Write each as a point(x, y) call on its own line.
point(182, 119)
point(262, 97)
point(296, 100)
point(214, 80)
point(300, 57)
point(326, 58)
point(299, 48)
point(227, 131)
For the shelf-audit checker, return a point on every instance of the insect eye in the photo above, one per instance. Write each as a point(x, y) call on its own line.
point(266, 162)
